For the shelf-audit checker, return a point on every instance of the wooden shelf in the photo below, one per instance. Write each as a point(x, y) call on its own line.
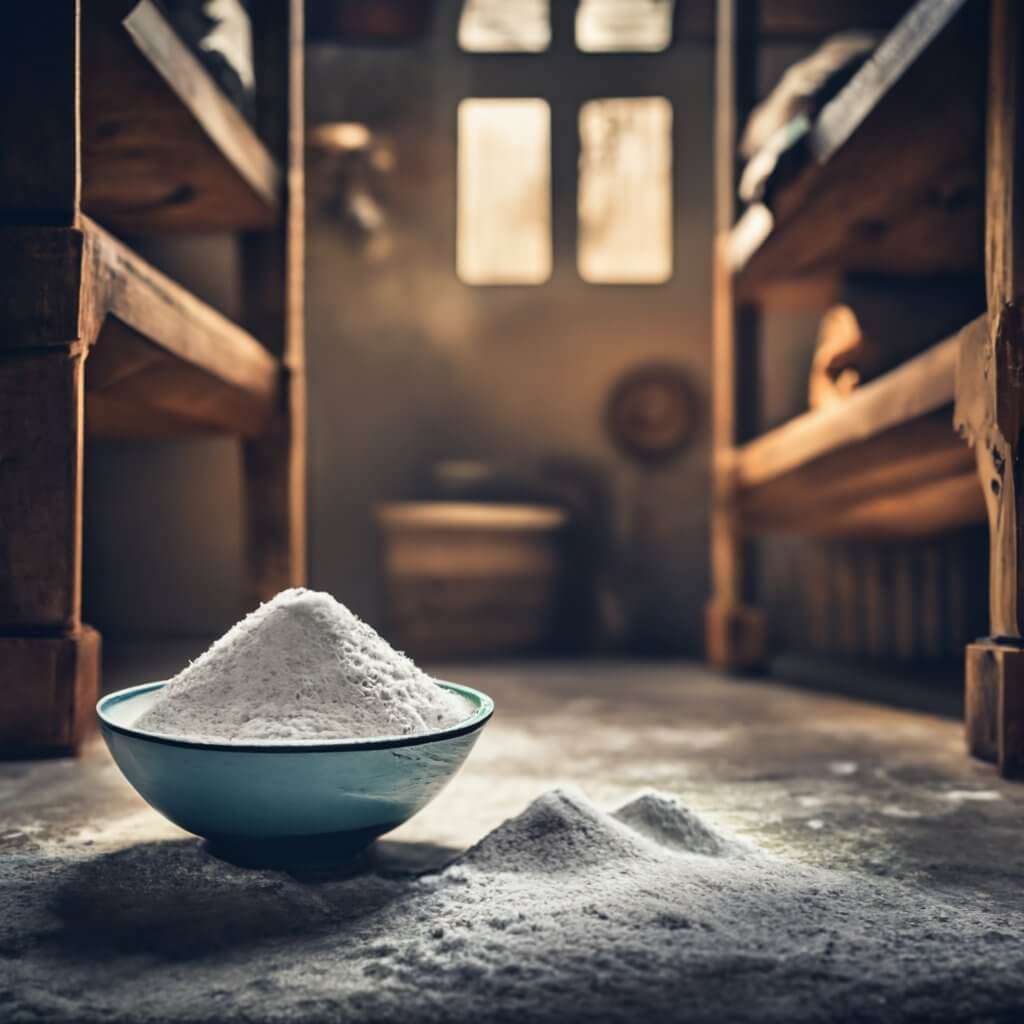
point(163, 362)
point(159, 361)
point(163, 148)
point(886, 462)
point(893, 181)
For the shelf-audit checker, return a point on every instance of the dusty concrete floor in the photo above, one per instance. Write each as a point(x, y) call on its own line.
point(818, 779)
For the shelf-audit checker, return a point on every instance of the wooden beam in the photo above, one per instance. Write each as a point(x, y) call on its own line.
point(864, 200)
point(919, 386)
point(49, 686)
point(990, 408)
point(163, 146)
point(157, 345)
point(818, 498)
point(41, 439)
point(734, 632)
point(40, 160)
point(49, 661)
point(934, 506)
point(274, 467)
point(45, 293)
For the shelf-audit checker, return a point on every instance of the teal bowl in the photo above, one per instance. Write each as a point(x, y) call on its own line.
point(287, 801)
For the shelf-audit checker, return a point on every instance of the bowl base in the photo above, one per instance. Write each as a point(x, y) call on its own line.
point(331, 849)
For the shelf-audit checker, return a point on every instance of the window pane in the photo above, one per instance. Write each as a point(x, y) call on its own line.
point(504, 192)
point(625, 193)
point(505, 26)
point(604, 26)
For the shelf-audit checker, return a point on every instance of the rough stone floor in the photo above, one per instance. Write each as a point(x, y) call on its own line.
point(91, 883)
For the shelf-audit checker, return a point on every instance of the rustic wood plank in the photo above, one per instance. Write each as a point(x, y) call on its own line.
point(163, 146)
point(274, 467)
point(928, 510)
point(990, 409)
point(735, 634)
point(41, 411)
point(993, 705)
point(862, 489)
point(45, 298)
point(115, 419)
point(161, 344)
point(152, 342)
point(868, 201)
point(49, 686)
point(40, 166)
point(124, 366)
point(920, 386)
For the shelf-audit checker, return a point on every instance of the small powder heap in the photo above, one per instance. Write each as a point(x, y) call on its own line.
point(301, 667)
point(564, 913)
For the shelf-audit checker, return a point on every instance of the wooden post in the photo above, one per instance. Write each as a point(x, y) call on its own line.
point(49, 661)
point(734, 632)
point(274, 466)
point(990, 411)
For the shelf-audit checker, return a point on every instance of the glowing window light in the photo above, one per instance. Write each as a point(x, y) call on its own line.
point(608, 26)
point(625, 191)
point(504, 192)
point(505, 26)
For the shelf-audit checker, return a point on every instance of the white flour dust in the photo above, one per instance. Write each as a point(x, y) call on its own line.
point(564, 913)
point(301, 667)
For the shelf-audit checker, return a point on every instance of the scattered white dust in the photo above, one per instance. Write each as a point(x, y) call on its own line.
point(301, 667)
point(972, 795)
point(564, 913)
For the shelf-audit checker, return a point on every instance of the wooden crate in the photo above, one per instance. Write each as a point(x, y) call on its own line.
point(470, 580)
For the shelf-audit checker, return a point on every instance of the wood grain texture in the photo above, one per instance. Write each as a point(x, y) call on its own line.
point(163, 148)
point(49, 686)
point(733, 632)
point(159, 346)
point(41, 445)
point(274, 466)
point(990, 383)
point(869, 488)
point(866, 200)
point(995, 706)
point(919, 386)
point(40, 166)
point(45, 291)
point(990, 410)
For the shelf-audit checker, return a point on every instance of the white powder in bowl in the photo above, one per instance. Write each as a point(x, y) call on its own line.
point(301, 667)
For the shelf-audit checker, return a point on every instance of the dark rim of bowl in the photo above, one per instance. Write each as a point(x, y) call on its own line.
point(484, 708)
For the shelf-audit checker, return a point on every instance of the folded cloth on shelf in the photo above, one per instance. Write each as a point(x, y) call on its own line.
point(220, 32)
point(783, 118)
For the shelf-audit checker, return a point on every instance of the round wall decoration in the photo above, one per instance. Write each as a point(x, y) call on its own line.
point(651, 412)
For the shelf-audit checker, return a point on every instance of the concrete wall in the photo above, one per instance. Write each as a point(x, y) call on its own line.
point(407, 365)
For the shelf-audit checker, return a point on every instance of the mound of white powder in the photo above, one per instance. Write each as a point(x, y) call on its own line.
point(301, 667)
point(564, 913)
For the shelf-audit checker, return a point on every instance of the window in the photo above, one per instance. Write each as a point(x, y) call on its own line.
point(504, 181)
point(505, 26)
point(616, 26)
point(625, 191)
point(504, 192)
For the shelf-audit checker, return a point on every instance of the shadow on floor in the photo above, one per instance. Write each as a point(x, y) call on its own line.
point(175, 901)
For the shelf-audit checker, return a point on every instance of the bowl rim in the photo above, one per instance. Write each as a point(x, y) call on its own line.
point(484, 708)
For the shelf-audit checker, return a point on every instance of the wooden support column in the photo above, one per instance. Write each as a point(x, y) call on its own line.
point(990, 410)
point(274, 466)
point(49, 661)
point(734, 631)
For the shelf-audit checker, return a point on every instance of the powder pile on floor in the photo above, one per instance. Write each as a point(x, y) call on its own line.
point(563, 913)
point(301, 667)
